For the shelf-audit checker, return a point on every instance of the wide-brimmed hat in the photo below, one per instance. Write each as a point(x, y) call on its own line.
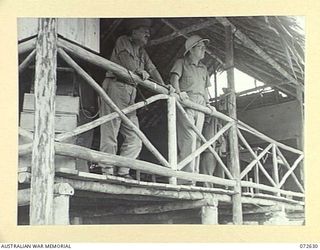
point(193, 41)
point(136, 23)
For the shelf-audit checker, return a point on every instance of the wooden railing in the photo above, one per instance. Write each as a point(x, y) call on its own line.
point(273, 149)
point(170, 167)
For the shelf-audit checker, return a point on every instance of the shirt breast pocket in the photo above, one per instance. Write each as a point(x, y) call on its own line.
point(186, 82)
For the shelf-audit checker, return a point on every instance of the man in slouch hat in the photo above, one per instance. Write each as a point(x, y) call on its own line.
point(128, 52)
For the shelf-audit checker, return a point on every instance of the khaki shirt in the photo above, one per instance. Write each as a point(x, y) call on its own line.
point(193, 79)
point(127, 56)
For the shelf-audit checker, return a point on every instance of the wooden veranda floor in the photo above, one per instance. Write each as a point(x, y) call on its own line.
point(100, 199)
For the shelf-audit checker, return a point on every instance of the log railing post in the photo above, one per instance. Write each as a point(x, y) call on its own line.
point(300, 139)
point(172, 137)
point(256, 176)
point(42, 179)
point(275, 166)
point(209, 213)
point(61, 201)
point(233, 137)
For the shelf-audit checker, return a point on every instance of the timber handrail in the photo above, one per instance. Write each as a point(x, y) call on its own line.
point(109, 66)
point(27, 45)
point(271, 189)
point(27, 61)
point(25, 133)
point(25, 149)
point(206, 110)
point(91, 125)
point(275, 152)
point(120, 161)
point(255, 132)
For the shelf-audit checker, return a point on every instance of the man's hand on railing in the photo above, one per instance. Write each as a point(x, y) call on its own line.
point(211, 107)
point(183, 96)
point(143, 74)
point(171, 89)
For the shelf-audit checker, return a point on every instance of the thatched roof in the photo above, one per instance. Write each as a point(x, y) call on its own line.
point(270, 49)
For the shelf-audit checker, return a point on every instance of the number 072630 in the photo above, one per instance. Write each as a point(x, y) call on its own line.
point(313, 246)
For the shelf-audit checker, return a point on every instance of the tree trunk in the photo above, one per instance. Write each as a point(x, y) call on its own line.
point(42, 179)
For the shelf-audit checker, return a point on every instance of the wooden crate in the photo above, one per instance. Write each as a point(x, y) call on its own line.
point(63, 122)
point(67, 110)
point(64, 104)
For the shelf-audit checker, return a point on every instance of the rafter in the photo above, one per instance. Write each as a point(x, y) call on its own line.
point(271, 84)
point(247, 42)
point(184, 31)
point(209, 52)
point(27, 61)
point(111, 29)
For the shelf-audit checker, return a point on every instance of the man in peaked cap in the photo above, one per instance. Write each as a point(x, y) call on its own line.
point(128, 52)
point(190, 79)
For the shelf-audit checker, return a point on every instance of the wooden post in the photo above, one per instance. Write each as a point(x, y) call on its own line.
point(256, 176)
point(233, 138)
point(42, 179)
point(300, 139)
point(138, 175)
point(172, 137)
point(215, 89)
point(279, 216)
point(209, 213)
point(275, 166)
point(62, 192)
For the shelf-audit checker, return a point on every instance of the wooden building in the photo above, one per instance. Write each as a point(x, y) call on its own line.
point(259, 178)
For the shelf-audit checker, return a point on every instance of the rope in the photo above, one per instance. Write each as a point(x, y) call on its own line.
point(85, 112)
